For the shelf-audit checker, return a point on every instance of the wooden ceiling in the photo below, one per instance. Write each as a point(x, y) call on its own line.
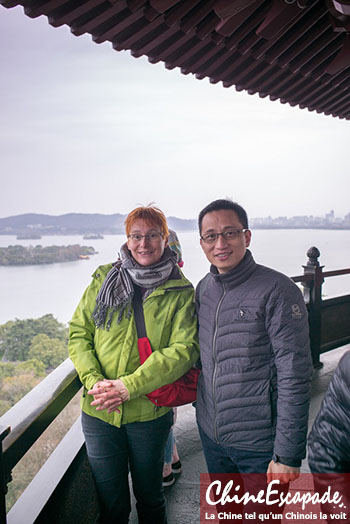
point(295, 51)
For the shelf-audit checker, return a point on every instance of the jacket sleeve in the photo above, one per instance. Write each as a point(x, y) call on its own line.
point(287, 327)
point(167, 364)
point(81, 339)
point(329, 439)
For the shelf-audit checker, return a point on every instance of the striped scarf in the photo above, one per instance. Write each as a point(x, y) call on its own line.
point(117, 290)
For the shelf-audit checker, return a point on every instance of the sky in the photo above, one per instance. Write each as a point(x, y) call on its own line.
point(86, 129)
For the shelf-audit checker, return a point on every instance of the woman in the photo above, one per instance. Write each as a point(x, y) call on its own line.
point(122, 428)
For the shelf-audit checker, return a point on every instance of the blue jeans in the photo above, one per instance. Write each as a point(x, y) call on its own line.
point(112, 451)
point(168, 453)
point(227, 459)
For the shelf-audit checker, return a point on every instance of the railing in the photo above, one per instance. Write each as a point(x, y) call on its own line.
point(66, 475)
point(328, 319)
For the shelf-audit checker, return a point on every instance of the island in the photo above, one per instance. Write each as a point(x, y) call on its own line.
point(31, 255)
point(93, 236)
point(29, 236)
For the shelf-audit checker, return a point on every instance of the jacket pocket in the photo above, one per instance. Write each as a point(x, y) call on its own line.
point(249, 314)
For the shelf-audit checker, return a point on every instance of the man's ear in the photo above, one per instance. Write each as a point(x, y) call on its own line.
point(248, 237)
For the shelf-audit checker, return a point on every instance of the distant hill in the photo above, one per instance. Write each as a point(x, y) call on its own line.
point(76, 224)
point(182, 224)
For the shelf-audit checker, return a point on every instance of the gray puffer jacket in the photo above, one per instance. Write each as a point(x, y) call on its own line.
point(329, 439)
point(254, 388)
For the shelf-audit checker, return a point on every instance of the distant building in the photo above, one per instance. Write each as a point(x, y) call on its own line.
point(330, 216)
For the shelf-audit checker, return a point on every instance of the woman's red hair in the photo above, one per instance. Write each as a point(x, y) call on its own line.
point(149, 213)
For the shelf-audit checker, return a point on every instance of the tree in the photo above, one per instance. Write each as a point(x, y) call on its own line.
point(21, 255)
point(16, 335)
point(7, 369)
point(49, 325)
point(33, 366)
point(15, 338)
point(50, 351)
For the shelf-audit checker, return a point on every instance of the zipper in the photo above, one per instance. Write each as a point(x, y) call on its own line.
point(215, 362)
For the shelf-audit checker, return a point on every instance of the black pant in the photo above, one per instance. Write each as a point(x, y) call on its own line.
point(247, 469)
point(112, 451)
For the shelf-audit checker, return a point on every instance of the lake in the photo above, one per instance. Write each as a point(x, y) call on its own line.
point(33, 291)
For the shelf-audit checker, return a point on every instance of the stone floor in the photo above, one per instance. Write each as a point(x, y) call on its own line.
point(183, 496)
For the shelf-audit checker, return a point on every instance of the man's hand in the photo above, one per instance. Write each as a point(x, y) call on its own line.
point(281, 472)
point(109, 394)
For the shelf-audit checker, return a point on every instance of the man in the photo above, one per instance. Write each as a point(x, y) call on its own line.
point(253, 393)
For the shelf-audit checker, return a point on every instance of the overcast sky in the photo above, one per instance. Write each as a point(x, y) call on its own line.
point(84, 128)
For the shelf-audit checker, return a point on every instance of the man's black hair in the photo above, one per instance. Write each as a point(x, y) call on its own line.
point(224, 203)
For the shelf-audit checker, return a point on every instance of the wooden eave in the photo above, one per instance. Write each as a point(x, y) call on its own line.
point(297, 52)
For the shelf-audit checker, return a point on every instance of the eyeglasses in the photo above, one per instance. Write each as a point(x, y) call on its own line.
point(151, 237)
point(230, 234)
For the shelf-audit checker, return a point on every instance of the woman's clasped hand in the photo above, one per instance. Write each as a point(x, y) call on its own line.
point(109, 394)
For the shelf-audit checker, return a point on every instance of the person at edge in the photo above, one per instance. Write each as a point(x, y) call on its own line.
point(254, 389)
point(172, 464)
point(122, 428)
point(329, 441)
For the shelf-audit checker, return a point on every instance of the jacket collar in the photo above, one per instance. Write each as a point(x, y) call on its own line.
point(237, 275)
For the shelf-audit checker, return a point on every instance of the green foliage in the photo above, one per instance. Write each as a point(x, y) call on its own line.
point(14, 388)
point(33, 460)
point(14, 339)
point(5, 405)
point(32, 366)
point(50, 351)
point(7, 369)
point(16, 335)
point(17, 379)
point(51, 327)
point(22, 256)
point(30, 349)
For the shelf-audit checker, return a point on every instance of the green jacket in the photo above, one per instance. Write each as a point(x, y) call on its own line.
point(171, 326)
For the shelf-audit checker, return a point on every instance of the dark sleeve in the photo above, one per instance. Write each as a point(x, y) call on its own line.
point(329, 439)
point(287, 327)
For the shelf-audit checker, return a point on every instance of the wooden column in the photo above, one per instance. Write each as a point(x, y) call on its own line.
point(313, 299)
